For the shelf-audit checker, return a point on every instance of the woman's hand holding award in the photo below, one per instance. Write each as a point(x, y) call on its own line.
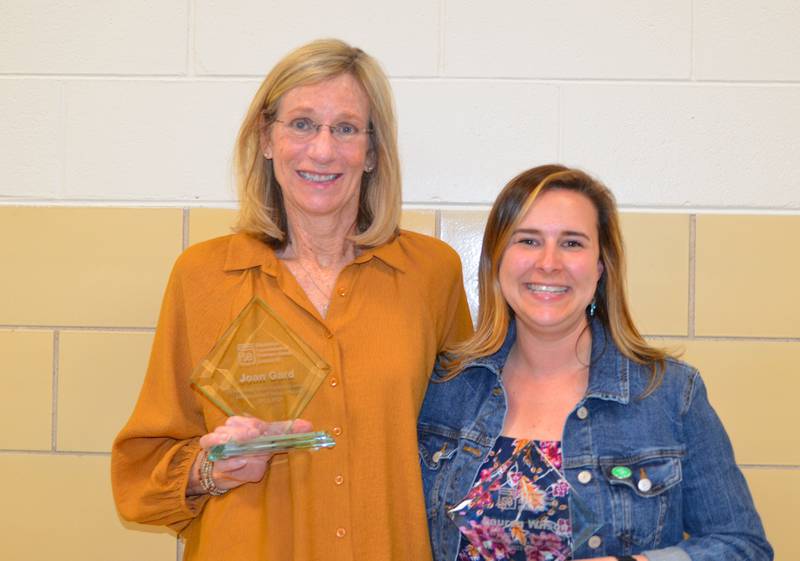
point(261, 368)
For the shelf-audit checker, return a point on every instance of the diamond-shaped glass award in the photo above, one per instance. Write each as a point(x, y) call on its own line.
point(261, 368)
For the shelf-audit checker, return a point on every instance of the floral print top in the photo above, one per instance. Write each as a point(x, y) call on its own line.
point(517, 509)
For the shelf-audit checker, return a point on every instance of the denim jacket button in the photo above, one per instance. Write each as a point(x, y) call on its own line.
point(582, 412)
point(437, 456)
point(585, 477)
point(595, 542)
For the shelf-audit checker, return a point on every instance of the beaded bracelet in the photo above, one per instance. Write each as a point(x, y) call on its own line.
point(207, 478)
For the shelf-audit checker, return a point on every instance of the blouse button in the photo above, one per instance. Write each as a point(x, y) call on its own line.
point(585, 477)
point(582, 412)
point(595, 542)
point(337, 431)
point(333, 382)
point(340, 532)
point(497, 392)
point(339, 479)
point(341, 292)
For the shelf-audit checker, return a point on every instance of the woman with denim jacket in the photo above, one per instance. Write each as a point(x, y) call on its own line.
point(557, 432)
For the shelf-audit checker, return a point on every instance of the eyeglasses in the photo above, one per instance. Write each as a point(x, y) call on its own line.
point(304, 128)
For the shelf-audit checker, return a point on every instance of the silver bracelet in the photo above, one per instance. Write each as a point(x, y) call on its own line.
point(207, 478)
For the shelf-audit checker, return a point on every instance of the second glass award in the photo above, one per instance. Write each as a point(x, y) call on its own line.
point(261, 368)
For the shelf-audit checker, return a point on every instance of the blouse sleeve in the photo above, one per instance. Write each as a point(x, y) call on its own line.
point(718, 510)
point(152, 456)
point(457, 322)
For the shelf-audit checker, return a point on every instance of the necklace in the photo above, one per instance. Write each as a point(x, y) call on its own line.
point(325, 295)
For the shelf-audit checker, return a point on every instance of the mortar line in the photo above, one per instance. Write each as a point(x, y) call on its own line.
point(185, 230)
point(791, 467)
point(692, 273)
point(691, 42)
point(62, 187)
point(54, 390)
point(74, 453)
point(559, 123)
point(102, 328)
point(442, 15)
point(190, 38)
point(541, 80)
point(723, 338)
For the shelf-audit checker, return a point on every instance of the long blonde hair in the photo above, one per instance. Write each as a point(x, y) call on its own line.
point(611, 299)
point(262, 212)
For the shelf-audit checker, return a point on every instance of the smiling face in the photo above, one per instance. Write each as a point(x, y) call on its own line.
point(320, 176)
point(550, 268)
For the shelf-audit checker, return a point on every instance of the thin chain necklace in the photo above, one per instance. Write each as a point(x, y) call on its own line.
point(325, 296)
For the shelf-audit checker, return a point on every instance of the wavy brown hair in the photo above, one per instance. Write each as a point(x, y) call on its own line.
point(611, 299)
point(262, 212)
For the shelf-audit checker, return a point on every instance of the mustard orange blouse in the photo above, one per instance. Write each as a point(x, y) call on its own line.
point(393, 310)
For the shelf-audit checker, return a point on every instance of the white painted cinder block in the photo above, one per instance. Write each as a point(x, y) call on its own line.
point(687, 146)
point(747, 40)
point(568, 39)
point(31, 138)
point(157, 140)
point(461, 141)
point(250, 36)
point(108, 37)
point(483, 92)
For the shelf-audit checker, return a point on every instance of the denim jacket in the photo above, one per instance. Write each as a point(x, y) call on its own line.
point(673, 434)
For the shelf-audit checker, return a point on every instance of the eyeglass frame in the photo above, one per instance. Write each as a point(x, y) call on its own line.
point(318, 126)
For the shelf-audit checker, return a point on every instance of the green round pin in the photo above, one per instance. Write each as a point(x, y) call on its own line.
point(621, 472)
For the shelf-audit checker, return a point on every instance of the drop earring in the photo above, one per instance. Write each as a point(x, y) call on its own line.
point(592, 308)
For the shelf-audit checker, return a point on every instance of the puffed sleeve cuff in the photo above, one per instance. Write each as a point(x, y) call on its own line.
point(181, 467)
point(667, 554)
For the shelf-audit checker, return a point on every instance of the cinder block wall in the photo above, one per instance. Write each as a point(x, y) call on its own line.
point(116, 127)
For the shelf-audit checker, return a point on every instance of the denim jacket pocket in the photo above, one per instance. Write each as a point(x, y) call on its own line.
point(438, 447)
point(434, 450)
point(644, 488)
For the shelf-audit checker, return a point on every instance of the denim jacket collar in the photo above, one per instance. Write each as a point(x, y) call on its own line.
point(609, 371)
point(609, 374)
point(495, 362)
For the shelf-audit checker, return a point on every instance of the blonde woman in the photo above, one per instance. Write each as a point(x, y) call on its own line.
point(557, 432)
point(318, 240)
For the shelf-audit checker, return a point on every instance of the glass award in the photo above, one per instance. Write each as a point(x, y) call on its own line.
point(261, 368)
